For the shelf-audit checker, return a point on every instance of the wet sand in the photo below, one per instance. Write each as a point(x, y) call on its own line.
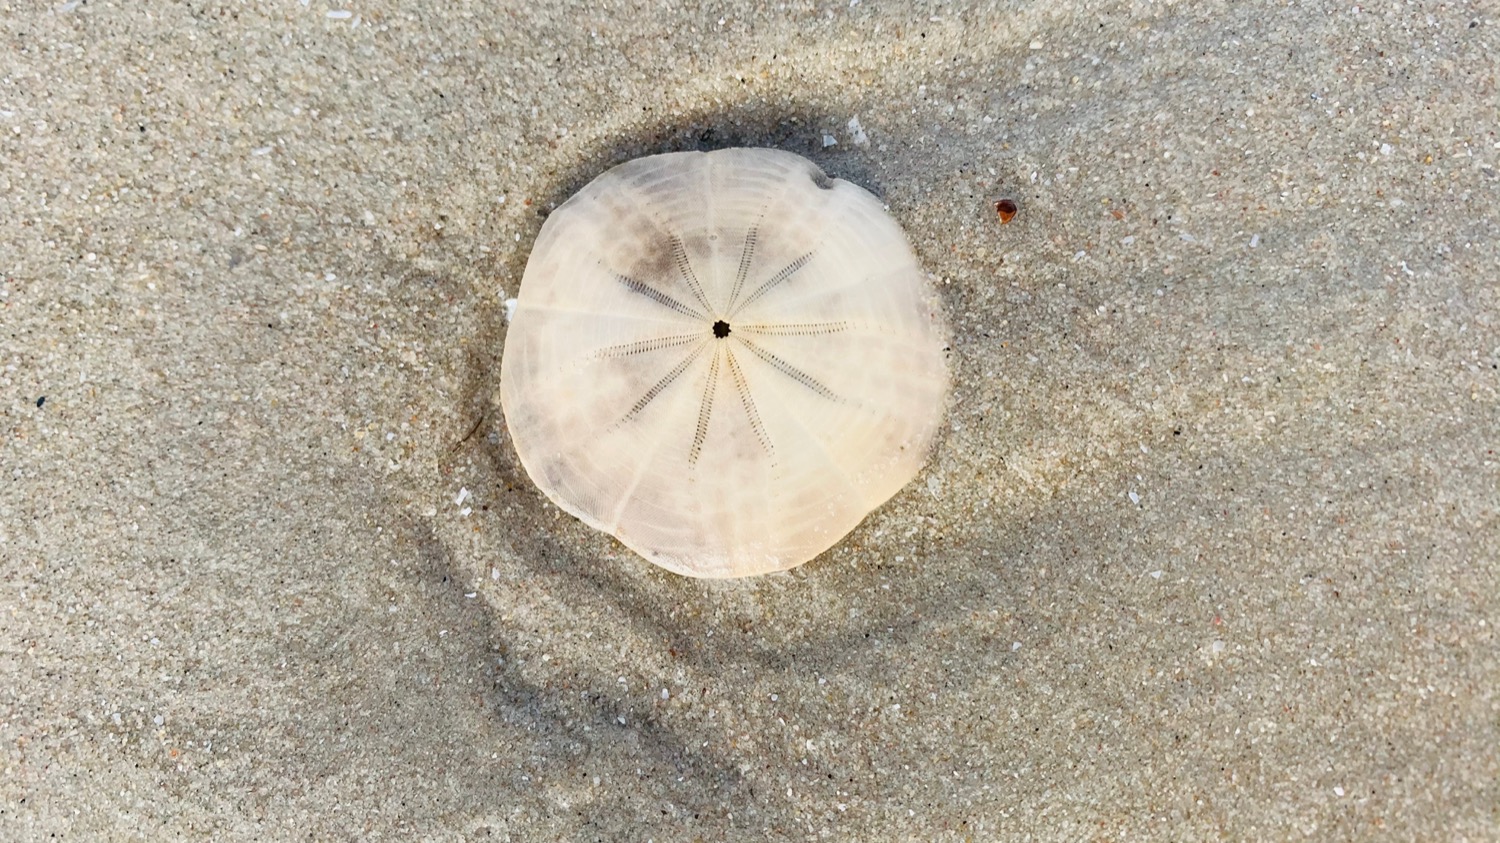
point(1208, 547)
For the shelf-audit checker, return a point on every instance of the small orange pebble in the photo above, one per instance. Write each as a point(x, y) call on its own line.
point(1006, 209)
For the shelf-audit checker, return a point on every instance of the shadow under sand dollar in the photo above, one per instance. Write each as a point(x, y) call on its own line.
point(778, 123)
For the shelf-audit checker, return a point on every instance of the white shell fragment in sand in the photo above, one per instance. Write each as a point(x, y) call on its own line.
point(725, 360)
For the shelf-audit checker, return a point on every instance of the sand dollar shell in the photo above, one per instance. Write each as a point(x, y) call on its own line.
point(724, 359)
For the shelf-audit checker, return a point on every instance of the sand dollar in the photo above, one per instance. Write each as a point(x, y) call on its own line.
point(725, 360)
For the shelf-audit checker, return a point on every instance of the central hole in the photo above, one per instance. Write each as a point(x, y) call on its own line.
point(721, 329)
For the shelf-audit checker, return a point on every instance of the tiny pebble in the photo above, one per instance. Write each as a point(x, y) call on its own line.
point(857, 132)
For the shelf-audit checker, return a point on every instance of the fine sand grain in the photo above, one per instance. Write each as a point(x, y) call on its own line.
point(1207, 548)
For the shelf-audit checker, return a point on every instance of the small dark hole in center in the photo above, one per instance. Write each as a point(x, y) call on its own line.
point(721, 329)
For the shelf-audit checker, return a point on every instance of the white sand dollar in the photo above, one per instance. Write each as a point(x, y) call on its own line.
point(724, 359)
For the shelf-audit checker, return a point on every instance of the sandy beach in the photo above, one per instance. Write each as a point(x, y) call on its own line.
point(1208, 547)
